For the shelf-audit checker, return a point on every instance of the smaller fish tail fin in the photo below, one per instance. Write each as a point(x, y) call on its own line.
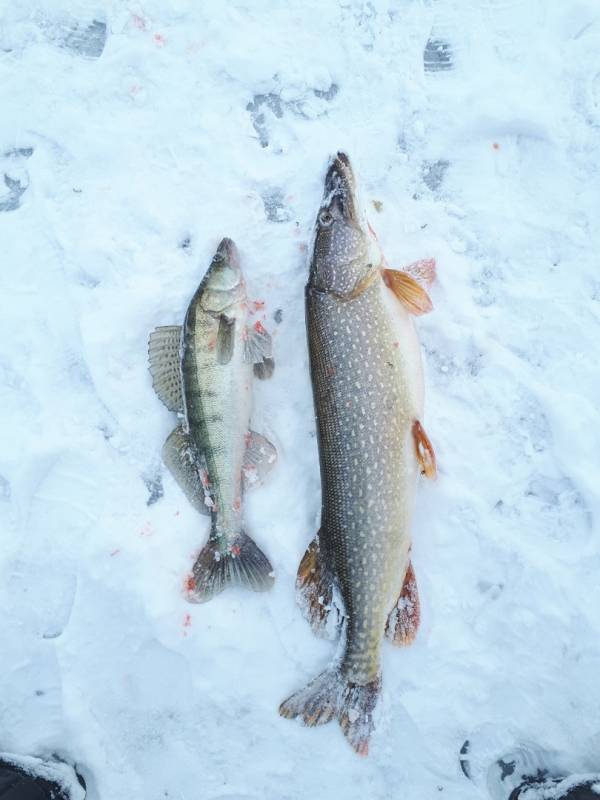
point(332, 696)
point(242, 564)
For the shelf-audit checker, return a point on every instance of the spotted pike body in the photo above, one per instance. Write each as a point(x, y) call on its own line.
point(366, 399)
point(368, 396)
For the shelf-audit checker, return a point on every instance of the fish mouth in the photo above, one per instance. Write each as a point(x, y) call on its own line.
point(227, 253)
point(225, 274)
point(340, 187)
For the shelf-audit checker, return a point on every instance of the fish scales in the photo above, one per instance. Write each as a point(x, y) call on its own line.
point(364, 410)
point(367, 387)
point(218, 404)
point(203, 370)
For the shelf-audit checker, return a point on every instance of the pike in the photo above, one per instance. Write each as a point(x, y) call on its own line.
point(367, 383)
point(203, 372)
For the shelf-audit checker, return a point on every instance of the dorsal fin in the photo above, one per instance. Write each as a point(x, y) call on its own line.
point(164, 354)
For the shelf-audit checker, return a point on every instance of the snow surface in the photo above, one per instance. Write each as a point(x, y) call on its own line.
point(126, 162)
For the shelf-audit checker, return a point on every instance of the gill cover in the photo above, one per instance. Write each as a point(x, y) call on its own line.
point(223, 284)
point(340, 258)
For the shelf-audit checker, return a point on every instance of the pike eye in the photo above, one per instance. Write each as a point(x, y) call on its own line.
point(325, 218)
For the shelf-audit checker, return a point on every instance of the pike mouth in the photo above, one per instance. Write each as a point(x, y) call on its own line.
point(340, 187)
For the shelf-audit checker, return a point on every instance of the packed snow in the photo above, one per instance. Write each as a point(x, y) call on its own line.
point(134, 136)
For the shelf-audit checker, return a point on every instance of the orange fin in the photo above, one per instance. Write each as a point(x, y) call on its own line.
point(423, 271)
point(408, 291)
point(404, 618)
point(332, 695)
point(424, 450)
point(314, 587)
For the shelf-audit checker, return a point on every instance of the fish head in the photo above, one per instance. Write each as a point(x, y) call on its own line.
point(342, 246)
point(223, 284)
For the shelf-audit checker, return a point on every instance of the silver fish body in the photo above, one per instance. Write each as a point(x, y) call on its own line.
point(204, 371)
point(217, 391)
point(368, 394)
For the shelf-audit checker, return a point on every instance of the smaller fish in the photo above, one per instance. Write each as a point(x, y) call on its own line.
point(203, 371)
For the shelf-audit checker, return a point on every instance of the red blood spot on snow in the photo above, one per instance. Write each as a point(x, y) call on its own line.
point(146, 530)
point(235, 550)
point(257, 305)
point(177, 513)
point(496, 146)
point(115, 552)
point(258, 327)
point(160, 39)
point(190, 583)
point(187, 621)
point(139, 22)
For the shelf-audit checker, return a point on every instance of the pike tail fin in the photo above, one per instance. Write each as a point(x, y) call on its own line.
point(243, 564)
point(331, 696)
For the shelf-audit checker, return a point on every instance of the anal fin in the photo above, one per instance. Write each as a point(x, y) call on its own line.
point(165, 365)
point(315, 588)
point(259, 459)
point(403, 620)
point(408, 291)
point(259, 351)
point(186, 465)
point(424, 450)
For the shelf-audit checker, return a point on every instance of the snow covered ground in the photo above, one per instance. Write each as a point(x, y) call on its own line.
point(134, 136)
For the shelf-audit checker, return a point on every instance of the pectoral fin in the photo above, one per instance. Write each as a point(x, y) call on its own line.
point(164, 364)
point(424, 450)
point(314, 587)
point(259, 351)
point(407, 290)
point(186, 465)
point(423, 271)
point(403, 621)
point(225, 339)
point(259, 459)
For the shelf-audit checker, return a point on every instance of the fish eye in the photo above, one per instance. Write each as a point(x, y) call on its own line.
point(325, 218)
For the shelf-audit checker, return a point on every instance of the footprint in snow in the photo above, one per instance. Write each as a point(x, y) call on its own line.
point(438, 55)
point(264, 109)
point(14, 177)
point(85, 39)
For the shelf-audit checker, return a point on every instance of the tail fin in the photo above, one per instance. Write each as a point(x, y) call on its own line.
point(243, 564)
point(330, 695)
